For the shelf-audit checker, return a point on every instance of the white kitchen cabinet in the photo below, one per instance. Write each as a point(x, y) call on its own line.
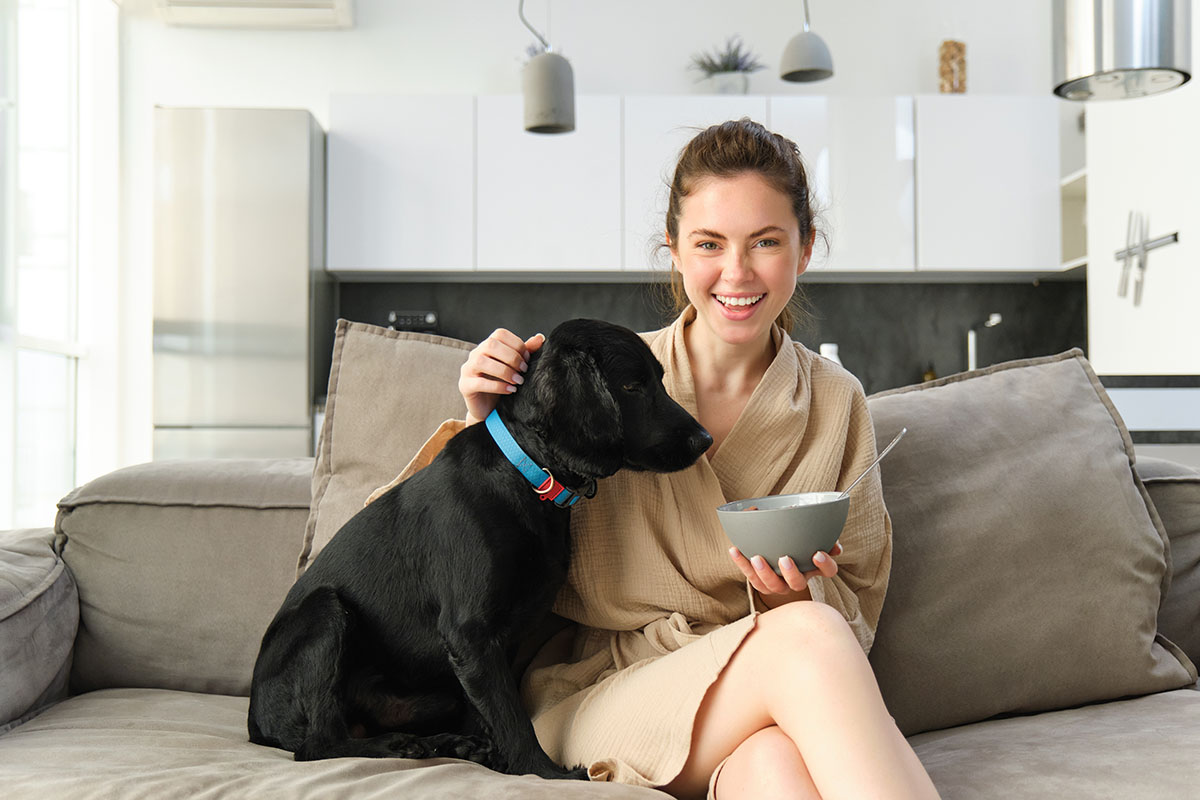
point(549, 202)
point(1142, 158)
point(858, 153)
point(987, 185)
point(401, 183)
point(656, 129)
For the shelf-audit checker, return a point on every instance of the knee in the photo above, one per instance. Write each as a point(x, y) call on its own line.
point(766, 751)
point(805, 624)
point(767, 764)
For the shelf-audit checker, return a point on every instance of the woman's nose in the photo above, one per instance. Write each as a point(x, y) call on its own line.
point(737, 261)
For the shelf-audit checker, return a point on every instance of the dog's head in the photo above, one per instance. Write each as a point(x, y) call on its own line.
point(594, 397)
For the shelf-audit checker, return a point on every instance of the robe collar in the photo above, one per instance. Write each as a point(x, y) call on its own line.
point(767, 435)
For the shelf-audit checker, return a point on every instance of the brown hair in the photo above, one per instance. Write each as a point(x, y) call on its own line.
point(732, 148)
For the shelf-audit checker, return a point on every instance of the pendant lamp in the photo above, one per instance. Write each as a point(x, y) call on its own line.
point(548, 85)
point(1115, 49)
point(806, 58)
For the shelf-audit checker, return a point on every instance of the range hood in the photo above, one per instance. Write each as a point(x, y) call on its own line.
point(1116, 49)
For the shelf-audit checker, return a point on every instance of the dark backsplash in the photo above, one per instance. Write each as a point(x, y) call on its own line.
point(888, 334)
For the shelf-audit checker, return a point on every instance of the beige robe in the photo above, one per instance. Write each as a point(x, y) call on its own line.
point(659, 604)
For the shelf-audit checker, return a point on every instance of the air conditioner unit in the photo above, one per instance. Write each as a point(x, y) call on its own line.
point(311, 14)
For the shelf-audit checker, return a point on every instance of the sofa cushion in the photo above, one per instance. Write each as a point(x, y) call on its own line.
point(1139, 749)
point(166, 744)
point(1175, 490)
point(39, 615)
point(388, 391)
point(181, 565)
point(1027, 566)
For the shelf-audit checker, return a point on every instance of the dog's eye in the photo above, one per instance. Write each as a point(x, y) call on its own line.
point(633, 386)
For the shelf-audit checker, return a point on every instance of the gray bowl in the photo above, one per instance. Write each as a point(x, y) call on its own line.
point(796, 525)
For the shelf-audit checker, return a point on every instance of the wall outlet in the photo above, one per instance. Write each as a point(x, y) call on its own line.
point(426, 321)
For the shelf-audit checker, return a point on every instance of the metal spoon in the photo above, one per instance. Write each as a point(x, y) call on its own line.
point(874, 463)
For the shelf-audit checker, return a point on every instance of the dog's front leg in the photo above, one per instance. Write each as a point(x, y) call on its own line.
point(482, 668)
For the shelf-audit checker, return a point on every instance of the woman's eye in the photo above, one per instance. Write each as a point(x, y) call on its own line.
point(768, 242)
point(707, 245)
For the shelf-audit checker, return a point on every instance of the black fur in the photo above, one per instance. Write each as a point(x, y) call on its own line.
point(400, 637)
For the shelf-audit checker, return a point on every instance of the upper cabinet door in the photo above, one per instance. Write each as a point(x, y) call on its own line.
point(656, 129)
point(858, 153)
point(549, 201)
point(401, 183)
point(1143, 160)
point(987, 183)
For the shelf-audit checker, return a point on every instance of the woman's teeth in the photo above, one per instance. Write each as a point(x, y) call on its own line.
point(738, 301)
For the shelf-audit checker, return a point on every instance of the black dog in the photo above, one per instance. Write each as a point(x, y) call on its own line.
point(399, 639)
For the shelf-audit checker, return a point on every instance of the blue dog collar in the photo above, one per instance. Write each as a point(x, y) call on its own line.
point(544, 484)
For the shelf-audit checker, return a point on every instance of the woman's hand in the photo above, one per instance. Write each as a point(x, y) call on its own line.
point(776, 590)
point(495, 368)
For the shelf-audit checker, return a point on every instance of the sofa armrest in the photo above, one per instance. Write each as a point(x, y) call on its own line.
point(181, 565)
point(1175, 492)
point(39, 615)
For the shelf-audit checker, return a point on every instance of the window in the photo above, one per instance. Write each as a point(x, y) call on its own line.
point(41, 350)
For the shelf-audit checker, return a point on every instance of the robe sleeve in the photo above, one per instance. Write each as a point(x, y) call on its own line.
point(433, 445)
point(858, 588)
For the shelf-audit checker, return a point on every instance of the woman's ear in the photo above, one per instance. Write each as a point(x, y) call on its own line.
point(674, 254)
point(805, 257)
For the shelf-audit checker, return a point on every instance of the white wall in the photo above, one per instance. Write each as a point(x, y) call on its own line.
point(476, 47)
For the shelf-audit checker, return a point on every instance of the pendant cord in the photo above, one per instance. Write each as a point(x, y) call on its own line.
point(542, 39)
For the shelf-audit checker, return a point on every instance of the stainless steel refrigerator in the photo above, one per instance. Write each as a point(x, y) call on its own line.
point(243, 309)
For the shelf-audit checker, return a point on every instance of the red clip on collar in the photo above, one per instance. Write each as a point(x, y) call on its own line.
point(549, 489)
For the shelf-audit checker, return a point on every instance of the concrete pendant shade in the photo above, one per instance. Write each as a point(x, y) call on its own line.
point(549, 87)
point(806, 58)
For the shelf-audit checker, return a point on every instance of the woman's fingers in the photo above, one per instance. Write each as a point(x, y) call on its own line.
point(495, 367)
point(763, 578)
point(825, 565)
point(792, 575)
point(748, 570)
point(535, 342)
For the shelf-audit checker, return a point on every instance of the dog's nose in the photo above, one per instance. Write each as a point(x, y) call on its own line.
point(700, 441)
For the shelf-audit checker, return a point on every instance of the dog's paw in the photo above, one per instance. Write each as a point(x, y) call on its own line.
point(576, 774)
point(451, 745)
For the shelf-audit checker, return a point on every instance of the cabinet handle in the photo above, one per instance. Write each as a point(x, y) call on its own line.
point(1137, 248)
point(1126, 256)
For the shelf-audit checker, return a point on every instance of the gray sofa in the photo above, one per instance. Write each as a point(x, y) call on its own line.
point(1035, 641)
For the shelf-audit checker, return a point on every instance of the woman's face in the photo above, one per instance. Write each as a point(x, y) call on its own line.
point(739, 253)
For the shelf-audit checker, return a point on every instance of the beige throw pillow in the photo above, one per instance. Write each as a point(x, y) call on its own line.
point(388, 391)
point(1028, 566)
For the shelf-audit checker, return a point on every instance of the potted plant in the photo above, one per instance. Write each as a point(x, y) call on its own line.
point(728, 68)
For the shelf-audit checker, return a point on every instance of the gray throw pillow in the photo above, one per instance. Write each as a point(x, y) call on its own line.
point(1028, 566)
point(388, 391)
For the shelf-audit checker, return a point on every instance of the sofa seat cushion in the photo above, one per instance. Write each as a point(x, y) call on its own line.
point(1139, 749)
point(39, 615)
point(159, 743)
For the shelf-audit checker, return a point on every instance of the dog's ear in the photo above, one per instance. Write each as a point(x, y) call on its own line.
point(567, 401)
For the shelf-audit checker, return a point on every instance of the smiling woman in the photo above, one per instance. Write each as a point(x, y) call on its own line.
point(694, 667)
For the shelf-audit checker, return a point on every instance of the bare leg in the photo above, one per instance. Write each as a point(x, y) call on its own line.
point(766, 765)
point(802, 669)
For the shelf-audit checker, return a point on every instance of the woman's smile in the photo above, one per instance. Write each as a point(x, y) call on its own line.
point(739, 306)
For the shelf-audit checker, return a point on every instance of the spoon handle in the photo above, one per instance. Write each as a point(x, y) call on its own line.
point(878, 458)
